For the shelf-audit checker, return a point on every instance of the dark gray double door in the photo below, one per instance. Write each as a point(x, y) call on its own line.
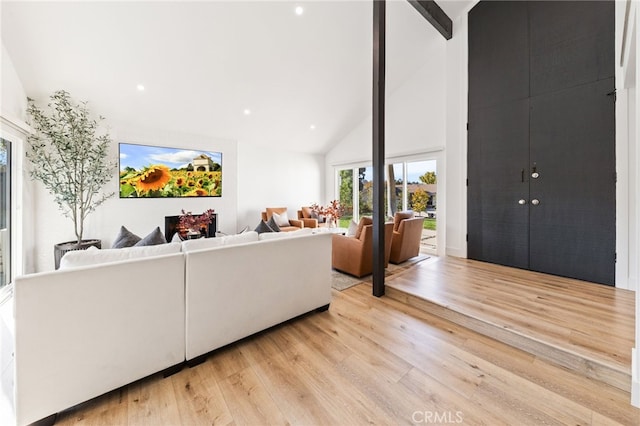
point(541, 152)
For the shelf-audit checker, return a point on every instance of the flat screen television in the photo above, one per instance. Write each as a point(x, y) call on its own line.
point(160, 172)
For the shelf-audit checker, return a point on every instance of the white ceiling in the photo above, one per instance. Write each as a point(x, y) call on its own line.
point(203, 63)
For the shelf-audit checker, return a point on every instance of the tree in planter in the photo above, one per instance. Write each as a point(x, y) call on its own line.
point(67, 156)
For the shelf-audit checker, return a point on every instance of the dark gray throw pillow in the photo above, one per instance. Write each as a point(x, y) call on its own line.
point(154, 238)
point(125, 238)
point(263, 227)
point(271, 223)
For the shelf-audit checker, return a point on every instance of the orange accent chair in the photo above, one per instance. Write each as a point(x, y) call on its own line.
point(407, 233)
point(305, 214)
point(354, 255)
point(294, 224)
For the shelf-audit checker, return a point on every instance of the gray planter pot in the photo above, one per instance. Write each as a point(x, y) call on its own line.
point(61, 249)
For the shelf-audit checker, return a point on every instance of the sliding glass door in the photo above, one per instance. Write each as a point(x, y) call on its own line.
point(409, 185)
point(422, 190)
point(345, 196)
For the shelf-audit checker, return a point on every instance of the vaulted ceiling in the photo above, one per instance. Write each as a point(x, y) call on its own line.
point(205, 64)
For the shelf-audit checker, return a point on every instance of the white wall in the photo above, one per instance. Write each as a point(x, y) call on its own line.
point(456, 145)
point(252, 179)
point(142, 215)
point(270, 178)
point(255, 179)
point(415, 121)
point(415, 117)
point(423, 115)
point(13, 102)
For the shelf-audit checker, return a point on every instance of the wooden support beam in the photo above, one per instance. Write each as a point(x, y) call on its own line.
point(435, 15)
point(379, 31)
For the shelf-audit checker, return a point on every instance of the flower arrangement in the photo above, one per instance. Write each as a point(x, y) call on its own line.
point(333, 211)
point(195, 223)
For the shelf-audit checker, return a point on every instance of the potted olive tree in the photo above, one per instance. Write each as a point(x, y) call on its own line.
point(71, 160)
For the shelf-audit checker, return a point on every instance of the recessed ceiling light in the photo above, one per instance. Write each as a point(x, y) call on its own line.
point(247, 111)
point(299, 10)
point(140, 88)
point(312, 127)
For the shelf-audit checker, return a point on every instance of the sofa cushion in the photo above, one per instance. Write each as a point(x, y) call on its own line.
point(263, 227)
point(273, 225)
point(125, 238)
point(245, 237)
point(155, 237)
point(277, 235)
point(94, 256)
point(201, 244)
point(353, 229)
point(282, 219)
point(273, 235)
point(399, 217)
point(227, 240)
point(364, 221)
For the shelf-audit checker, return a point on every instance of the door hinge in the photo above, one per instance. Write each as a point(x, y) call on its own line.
point(467, 181)
point(467, 238)
point(615, 96)
point(467, 126)
point(615, 257)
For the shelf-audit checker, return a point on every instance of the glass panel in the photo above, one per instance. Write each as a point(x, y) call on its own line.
point(395, 198)
point(5, 212)
point(345, 189)
point(365, 188)
point(422, 188)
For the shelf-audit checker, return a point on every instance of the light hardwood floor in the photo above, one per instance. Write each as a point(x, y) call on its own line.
point(365, 361)
point(583, 326)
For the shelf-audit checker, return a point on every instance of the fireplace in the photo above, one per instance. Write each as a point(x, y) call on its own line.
point(171, 227)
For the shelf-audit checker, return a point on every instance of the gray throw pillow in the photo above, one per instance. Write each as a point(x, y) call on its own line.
point(271, 223)
point(263, 227)
point(125, 238)
point(154, 238)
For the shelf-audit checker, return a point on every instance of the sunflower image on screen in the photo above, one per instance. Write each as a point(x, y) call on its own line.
point(156, 172)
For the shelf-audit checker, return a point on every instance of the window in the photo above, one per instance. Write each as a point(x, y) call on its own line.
point(409, 185)
point(5, 212)
point(345, 195)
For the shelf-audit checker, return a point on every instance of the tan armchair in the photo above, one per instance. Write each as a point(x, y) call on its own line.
point(305, 214)
point(407, 233)
point(354, 255)
point(294, 224)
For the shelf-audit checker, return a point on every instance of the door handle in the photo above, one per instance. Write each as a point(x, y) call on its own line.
point(535, 201)
point(522, 201)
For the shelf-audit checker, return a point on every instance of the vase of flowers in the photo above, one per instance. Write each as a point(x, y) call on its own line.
point(194, 226)
point(332, 212)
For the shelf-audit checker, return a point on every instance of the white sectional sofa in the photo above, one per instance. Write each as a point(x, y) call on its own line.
point(83, 331)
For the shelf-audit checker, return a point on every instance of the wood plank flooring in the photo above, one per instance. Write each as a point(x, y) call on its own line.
point(582, 326)
point(364, 361)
